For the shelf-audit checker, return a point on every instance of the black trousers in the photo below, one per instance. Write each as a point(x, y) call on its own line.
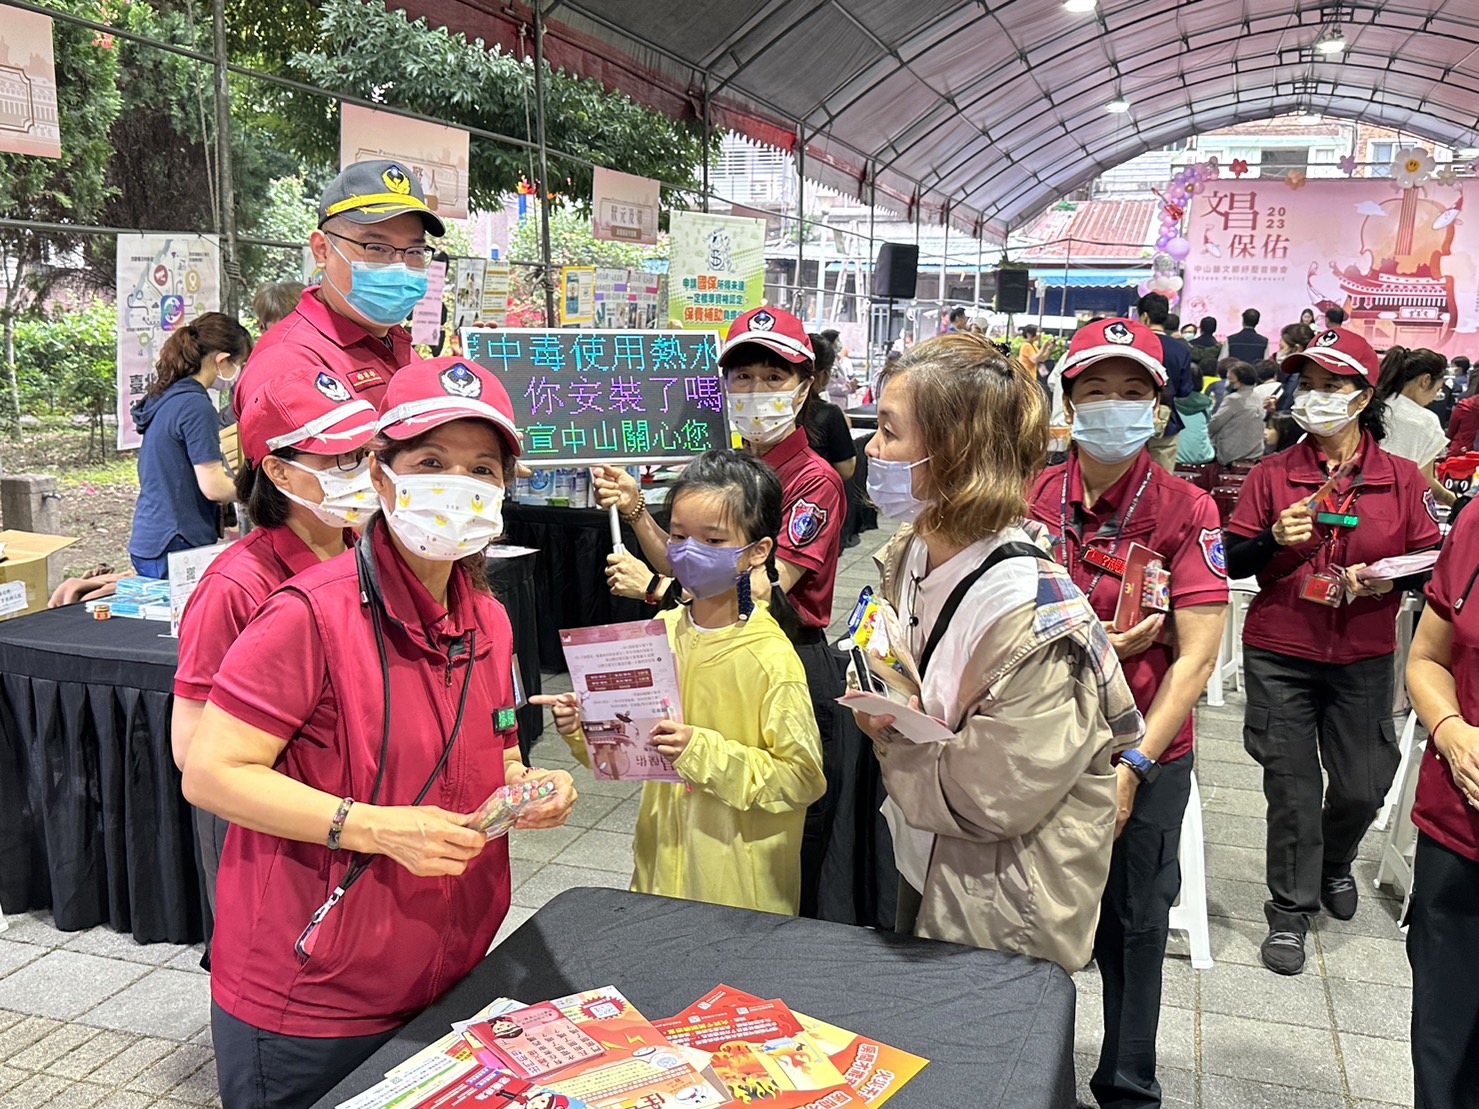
point(264, 1070)
point(1130, 942)
point(847, 857)
point(1443, 948)
point(210, 830)
point(1303, 715)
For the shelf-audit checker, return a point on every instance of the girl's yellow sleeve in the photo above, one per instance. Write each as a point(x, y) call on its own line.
point(781, 773)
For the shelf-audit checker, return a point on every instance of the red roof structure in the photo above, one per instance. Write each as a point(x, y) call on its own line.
point(1093, 232)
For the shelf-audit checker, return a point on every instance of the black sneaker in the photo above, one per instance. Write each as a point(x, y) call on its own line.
point(1339, 896)
point(1283, 952)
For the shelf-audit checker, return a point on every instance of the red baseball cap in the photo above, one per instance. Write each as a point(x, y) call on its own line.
point(772, 328)
point(305, 407)
point(1117, 338)
point(1341, 352)
point(424, 395)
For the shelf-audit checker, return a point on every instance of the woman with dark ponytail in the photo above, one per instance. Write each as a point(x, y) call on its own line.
point(1410, 381)
point(748, 750)
point(182, 475)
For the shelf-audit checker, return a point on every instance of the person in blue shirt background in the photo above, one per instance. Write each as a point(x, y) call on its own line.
point(182, 477)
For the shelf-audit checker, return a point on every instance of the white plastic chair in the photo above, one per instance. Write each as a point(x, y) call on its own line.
point(1400, 845)
point(1189, 914)
point(1229, 668)
point(1394, 792)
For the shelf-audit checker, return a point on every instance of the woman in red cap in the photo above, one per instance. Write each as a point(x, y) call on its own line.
point(1106, 500)
point(304, 481)
point(1443, 917)
point(368, 709)
point(769, 364)
point(1320, 635)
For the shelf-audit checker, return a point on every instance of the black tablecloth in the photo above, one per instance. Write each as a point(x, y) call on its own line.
point(92, 822)
point(998, 1028)
point(861, 515)
point(571, 570)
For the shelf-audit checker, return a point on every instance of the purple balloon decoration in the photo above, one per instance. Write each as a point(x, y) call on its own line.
point(1178, 248)
point(1144, 288)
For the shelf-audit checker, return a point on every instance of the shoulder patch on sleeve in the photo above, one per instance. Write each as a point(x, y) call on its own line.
point(1210, 540)
point(1430, 502)
point(806, 523)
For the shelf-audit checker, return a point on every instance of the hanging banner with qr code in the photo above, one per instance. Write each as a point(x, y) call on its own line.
point(625, 207)
point(164, 282)
point(583, 398)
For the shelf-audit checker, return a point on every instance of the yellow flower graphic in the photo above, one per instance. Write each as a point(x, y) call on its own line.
point(437, 492)
point(352, 515)
point(403, 499)
point(441, 521)
point(477, 503)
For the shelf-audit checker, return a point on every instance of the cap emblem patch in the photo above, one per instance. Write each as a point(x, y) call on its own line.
point(1119, 333)
point(762, 321)
point(332, 388)
point(1328, 339)
point(396, 180)
point(460, 381)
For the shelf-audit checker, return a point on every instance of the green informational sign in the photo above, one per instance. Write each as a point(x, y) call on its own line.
point(717, 271)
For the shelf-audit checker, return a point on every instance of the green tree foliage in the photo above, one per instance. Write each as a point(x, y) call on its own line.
point(72, 188)
point(367, 51)
point(66, 364)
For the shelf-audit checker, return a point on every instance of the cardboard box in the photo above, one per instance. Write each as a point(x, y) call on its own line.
point(23, 584)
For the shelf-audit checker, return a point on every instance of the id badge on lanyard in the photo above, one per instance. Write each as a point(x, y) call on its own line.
point(1327, 587)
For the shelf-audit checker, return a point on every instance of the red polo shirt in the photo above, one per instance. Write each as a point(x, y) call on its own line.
point(315, 332)
point(230, 591)
point(811, 526)
point(306, 671)
point(1397, 515)
point(1173, 518)
point(1440, 809)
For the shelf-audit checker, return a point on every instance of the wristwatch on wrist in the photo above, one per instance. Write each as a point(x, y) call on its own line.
point(651, 596)
point(1146, 769)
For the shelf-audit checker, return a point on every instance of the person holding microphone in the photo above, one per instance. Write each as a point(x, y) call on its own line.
point(367, 710)
point(1320, 636)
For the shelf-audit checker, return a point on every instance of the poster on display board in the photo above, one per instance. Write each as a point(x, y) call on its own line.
point(717, 271)
point(28, 112)
point(437, 155)
point(164, 282)
point(465, 292)
point(426, 317)
point(584, 398)
point(629, 298)
point(577, 295)
point(497, 282)
point(1401, 262)
point(625, 207)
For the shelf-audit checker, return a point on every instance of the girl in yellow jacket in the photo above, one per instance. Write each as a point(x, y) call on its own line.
point(749, 752)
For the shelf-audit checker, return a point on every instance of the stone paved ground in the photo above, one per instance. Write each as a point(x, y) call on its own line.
point(92, 1020)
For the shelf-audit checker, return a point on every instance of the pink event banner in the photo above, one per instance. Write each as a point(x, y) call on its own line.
point(1404, 264)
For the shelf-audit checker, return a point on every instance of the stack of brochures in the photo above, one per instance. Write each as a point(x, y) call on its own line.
point(594, 1050)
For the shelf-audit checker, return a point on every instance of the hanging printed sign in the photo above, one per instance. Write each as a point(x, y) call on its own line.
point(717, 273)
point(28, 112)
point(626, 207)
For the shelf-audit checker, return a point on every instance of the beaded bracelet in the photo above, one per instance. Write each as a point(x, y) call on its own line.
point(631, 518)
point(336, 828)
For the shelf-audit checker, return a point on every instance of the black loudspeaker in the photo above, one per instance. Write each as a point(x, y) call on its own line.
point(897, 272)
point(1011, 290)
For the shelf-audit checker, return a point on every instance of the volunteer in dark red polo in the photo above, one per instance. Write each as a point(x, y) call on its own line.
point(371, 247)
point(1320, 637)
point(365, 711)
point(1443, 915)
point(304, 481)
point(768, 365)
point(1107, 500)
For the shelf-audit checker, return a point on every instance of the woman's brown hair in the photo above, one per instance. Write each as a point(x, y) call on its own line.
point(387, 450)
point(985, 418)
point(189, 346)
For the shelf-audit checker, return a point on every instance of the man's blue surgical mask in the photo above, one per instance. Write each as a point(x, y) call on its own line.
point(382, 293)
point(1112, 431)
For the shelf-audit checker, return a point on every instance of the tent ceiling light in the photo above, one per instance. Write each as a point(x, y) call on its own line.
point(1118, 106)
point(1332, 41)
point(1079, 6)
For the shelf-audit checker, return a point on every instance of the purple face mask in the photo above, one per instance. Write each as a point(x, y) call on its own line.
point(705, 571)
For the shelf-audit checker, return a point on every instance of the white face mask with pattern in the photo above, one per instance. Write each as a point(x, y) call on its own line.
point(766, 417)
point(349, 498)
point(444, 517)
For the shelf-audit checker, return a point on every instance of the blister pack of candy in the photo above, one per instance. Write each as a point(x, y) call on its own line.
point(498, 813)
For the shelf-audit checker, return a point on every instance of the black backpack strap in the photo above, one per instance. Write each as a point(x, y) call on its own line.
point(1003, 552)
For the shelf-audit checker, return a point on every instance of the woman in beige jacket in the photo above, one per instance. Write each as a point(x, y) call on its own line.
point(1002, 834)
